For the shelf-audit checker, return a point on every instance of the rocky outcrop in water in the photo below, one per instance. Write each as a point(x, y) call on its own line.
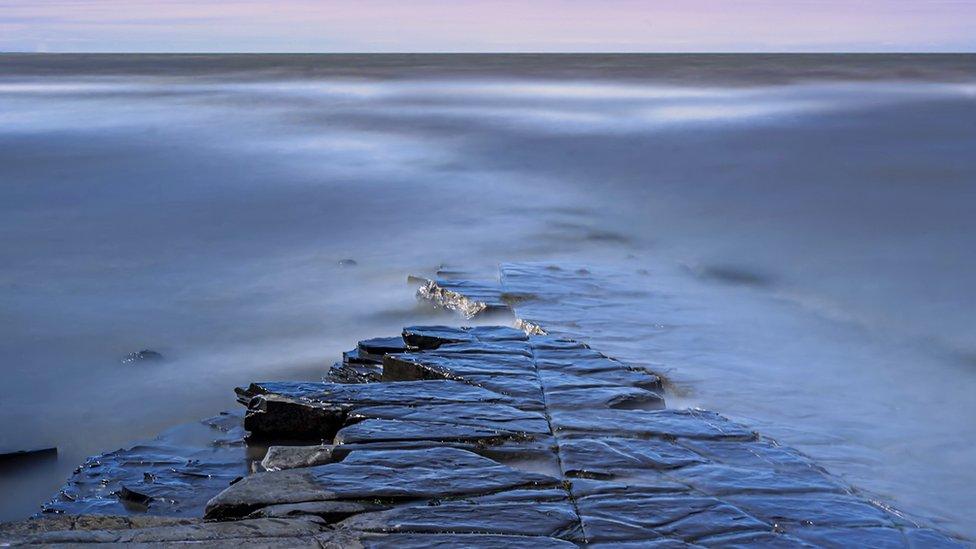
point(471, 437)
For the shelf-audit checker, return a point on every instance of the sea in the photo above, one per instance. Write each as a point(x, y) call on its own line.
point(804, 226)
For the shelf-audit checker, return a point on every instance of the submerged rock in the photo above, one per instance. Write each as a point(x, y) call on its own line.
point(135, 500)
point(145, 355)
point(22, 458)
point(180, 470)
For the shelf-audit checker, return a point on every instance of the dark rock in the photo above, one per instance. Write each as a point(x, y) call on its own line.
point(347, 263)
point(811, 510)
point(648, 482)
point(720, 479)
point(930, 539)
point(372, 394)
point(481, 541)
point(269, 531)
point(355, 372)
point(533, 456)
point(609, 457)
point(382, 345)
point(25, 530)
point(387, 430)
point(274, 416)
point(21, 458)
point(487, 348)
point(755, 454)
point(329, 511)
point(690, 424)
point(383, 475)
point(132, 499)
point(437, 365)
point(549, 519)
point(497, 334)
point(621, 398)
point(432, 337)
point(683, 516)
point(487, 416)
point(773, 540)
point(838, 538)
point(144, 355)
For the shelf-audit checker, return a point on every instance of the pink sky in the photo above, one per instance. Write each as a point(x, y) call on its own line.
point(487, 25)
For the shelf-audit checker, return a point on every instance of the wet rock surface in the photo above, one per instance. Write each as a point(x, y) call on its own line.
point(470, 437)
point(178, 472)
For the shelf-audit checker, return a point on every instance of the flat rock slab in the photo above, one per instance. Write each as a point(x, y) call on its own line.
point(488, 416)
point(373, 394)
point(375, 475)
point(671, 424)
point(548, 519)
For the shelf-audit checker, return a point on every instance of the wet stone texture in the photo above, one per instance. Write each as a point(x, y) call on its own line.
point(469, 437)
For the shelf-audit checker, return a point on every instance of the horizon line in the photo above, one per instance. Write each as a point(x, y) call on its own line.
point(690, 52)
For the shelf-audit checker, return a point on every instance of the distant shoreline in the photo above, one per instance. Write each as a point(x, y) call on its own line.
point(676, 68)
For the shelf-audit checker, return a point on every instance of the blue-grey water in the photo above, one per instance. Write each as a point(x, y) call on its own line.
point(807, 223)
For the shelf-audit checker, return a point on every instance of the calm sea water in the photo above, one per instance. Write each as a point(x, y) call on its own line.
point(808, 223)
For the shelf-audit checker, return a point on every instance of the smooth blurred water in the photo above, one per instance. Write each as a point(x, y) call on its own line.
point(807, 221)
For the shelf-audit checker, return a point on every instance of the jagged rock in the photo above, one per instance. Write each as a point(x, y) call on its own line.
point(465, 297)
point(292, 457)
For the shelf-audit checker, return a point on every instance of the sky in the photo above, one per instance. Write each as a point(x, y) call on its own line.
point(487, 25)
